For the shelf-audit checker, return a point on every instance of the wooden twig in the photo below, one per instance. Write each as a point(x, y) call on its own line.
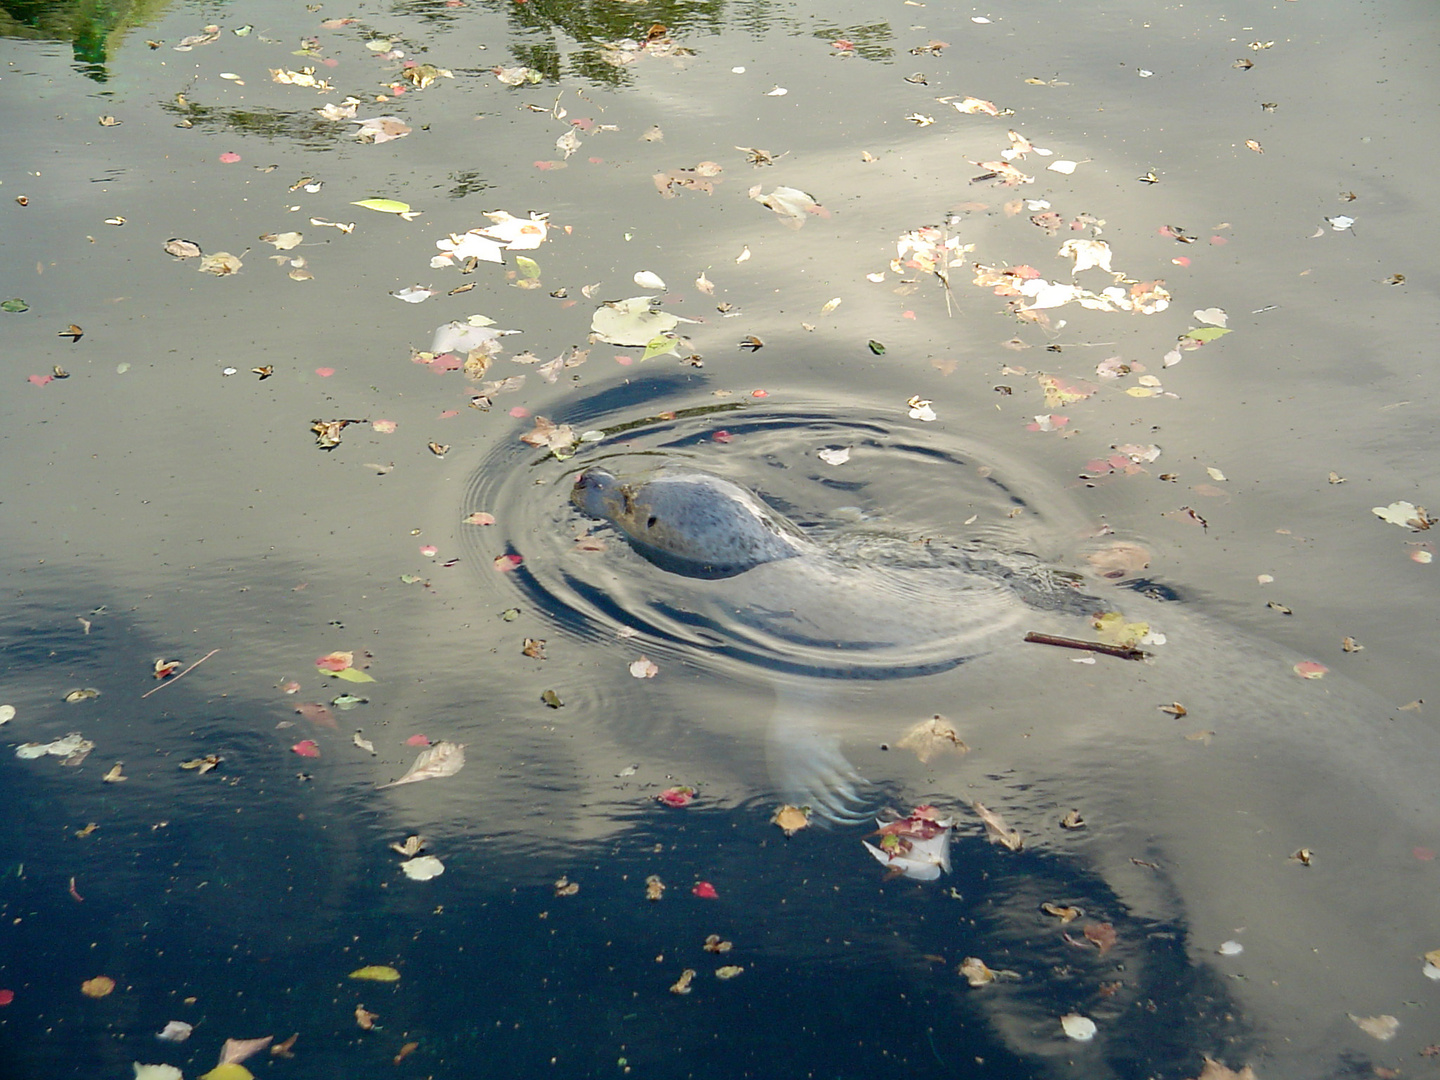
point(1124, 652)
point(182, 674)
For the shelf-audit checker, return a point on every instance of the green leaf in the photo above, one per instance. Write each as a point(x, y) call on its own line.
point(549, 697)
point(351, 674)
point(659, 346)
point(376, 973)
point(528, 268)
point(876, 348)
point(384, 206)
point(15, 306)
point(1205, 333)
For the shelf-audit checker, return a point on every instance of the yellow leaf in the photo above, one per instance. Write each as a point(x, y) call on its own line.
point(1140, 391)
point(351, 674)
point(229, 1070)
point(384, 206)
point(375, 973)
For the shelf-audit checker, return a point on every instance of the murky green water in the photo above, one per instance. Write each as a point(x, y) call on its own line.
point(155, 506)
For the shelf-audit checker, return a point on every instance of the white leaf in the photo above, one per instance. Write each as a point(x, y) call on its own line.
point(631, 321)
point(1212, 316)
point(646, 280)
point(422, 868)
point(442, 759)
point(413, 294)
point(1087, 253)
point(1062, 166)
point(175, 1031)
point(1080, 1028)
point(644, 668)
point(1230, 948)
point(1405, 514)
point(833, 456)
point(157, 1072)
point(7, 713)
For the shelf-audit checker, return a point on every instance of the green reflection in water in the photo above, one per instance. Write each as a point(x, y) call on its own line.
point(94, 28)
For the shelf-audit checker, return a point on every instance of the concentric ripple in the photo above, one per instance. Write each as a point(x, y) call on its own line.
point(932, 547)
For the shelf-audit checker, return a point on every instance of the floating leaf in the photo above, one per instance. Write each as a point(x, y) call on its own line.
point(98, 987)
point(790, 819)
point(157, 1072)
point(1405, 514)
point(384, 206)
point(376, 973)
point(1205, 334)
point(422, 868)
point(442, 759)
point(1080, 1028)
point(354, 675)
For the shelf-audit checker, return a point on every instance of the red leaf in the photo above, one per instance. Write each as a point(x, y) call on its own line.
point(417, 740)
point(677, 796)
point(506, 563)
point(41, 380)
point(6, 996)
point(705, 891)
point(229, 157)
point(307, 748)
point(324, 372)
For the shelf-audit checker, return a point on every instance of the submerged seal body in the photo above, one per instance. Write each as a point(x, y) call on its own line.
point(765, 590)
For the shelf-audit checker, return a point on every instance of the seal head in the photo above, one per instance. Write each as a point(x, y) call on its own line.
point(690, 523)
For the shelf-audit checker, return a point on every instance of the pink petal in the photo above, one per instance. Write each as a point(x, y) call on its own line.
point(229, 157)
point(429, 550)
point(307, 748)
point(417, 740)
point(519, 412)
point(41, 380)
point(759, 393)
point(384, 427)
point(448, 413)
point(506, 563)
point(705, 891)
point(324, 372)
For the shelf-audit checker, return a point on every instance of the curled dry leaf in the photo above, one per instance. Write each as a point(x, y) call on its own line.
point(729, 971)
point(1064, 914)
point(682, 985)
point(996, 831)
point(715, 944)
point(365, 1018)
point(976, 972)
point(655, 890)
point(933, 738)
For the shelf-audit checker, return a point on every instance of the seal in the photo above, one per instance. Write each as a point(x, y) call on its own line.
point(691, 522)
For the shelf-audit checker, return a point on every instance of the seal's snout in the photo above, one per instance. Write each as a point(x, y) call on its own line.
point(590, 490)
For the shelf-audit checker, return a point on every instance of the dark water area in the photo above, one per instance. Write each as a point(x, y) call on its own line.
point(1255, 877)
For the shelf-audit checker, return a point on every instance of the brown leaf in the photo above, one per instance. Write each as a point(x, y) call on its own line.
point(282, 1049)
point(1101, 935)
point(682, 985)
point(1066, 915)
point(790, 819)
point(1215, 1071)
point(976, 972)
point(996, 831)
point(932, 738)
point(365, 1018)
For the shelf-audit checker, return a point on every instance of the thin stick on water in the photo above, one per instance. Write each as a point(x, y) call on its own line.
point(182, 674)
point(1124, 652)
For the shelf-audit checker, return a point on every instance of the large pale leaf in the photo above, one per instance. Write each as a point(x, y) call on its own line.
point(442, 759)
